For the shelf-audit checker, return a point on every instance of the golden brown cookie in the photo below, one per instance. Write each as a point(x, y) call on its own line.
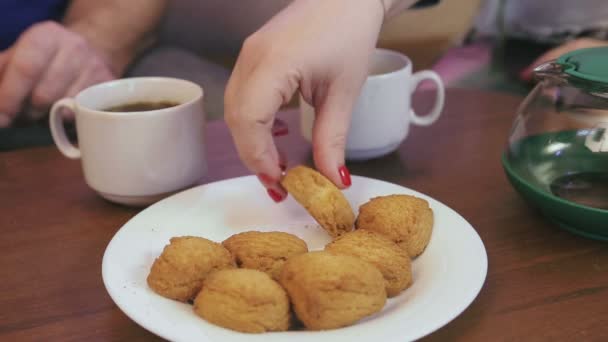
point(243, 300)
point(321, 198)
point(178, 273)
point(264, 251)
point(407, 220)
point(330, 291)
point(392, 261)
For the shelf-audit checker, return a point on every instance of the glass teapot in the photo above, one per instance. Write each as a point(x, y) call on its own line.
point(558, 145)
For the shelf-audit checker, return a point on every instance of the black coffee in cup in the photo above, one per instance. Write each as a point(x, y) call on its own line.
point(142, 106)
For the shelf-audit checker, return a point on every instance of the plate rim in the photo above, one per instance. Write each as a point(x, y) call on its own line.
point(466, 301)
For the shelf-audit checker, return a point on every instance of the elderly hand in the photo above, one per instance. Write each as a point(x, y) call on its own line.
point(47, 62)
point(322, 49)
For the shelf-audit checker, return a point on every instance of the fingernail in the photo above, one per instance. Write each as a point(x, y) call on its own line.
point(279, 128)
point(4, 120)
point(344, 175)
point(276, 196)
point(266, 179)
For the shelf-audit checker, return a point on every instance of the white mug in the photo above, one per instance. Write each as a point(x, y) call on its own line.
point(136, 158)
point(382, 113)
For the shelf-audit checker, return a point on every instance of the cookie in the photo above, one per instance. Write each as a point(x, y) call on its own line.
point(264, 251)
point(406, 220)
point(330, 291)
point(392, 261)
point(321, 198)
point(244, 300)
point(178, 273)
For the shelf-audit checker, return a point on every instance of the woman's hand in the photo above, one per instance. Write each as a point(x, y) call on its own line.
point(322, 49)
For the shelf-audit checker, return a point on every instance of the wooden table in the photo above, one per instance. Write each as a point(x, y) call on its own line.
point(542, 283)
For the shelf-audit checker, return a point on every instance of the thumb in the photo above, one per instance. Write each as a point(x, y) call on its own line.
point(330, 132)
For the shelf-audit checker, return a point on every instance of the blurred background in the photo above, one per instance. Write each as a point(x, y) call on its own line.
point(191, 26)
point(426, 34)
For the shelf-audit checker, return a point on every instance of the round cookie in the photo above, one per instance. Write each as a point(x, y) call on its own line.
point(243, 300)
point(264, 251)
point(392, 261)
point(329, 291)
point(178, 273)
point(406, 220)
point(321, 198)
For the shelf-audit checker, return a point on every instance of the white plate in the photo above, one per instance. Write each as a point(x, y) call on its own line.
point(447, 276)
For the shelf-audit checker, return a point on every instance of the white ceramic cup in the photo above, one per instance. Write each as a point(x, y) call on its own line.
point(382, 113)
point(136, 158)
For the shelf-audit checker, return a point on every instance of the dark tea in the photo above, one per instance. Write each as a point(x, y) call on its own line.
point(142, 106)
point(586, 188)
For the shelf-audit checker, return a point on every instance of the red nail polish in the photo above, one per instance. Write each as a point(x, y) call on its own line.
point(279, 128)
point(283, 167)
point(266, 178)
point(277, 197)
point(344, 175)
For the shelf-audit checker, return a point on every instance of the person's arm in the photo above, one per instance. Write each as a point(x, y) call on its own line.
point(321, 49)
point(95, 43)
point(118, 29)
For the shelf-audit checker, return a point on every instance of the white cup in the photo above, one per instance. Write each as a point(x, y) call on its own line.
point(136, 158)
point(382, 113)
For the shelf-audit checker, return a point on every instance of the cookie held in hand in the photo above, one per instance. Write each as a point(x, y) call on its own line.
point(321, 198)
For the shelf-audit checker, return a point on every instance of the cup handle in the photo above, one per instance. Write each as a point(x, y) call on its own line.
point(58, 130)
point(434, 114)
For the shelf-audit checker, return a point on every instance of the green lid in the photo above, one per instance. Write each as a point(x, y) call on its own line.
point(586, 64)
